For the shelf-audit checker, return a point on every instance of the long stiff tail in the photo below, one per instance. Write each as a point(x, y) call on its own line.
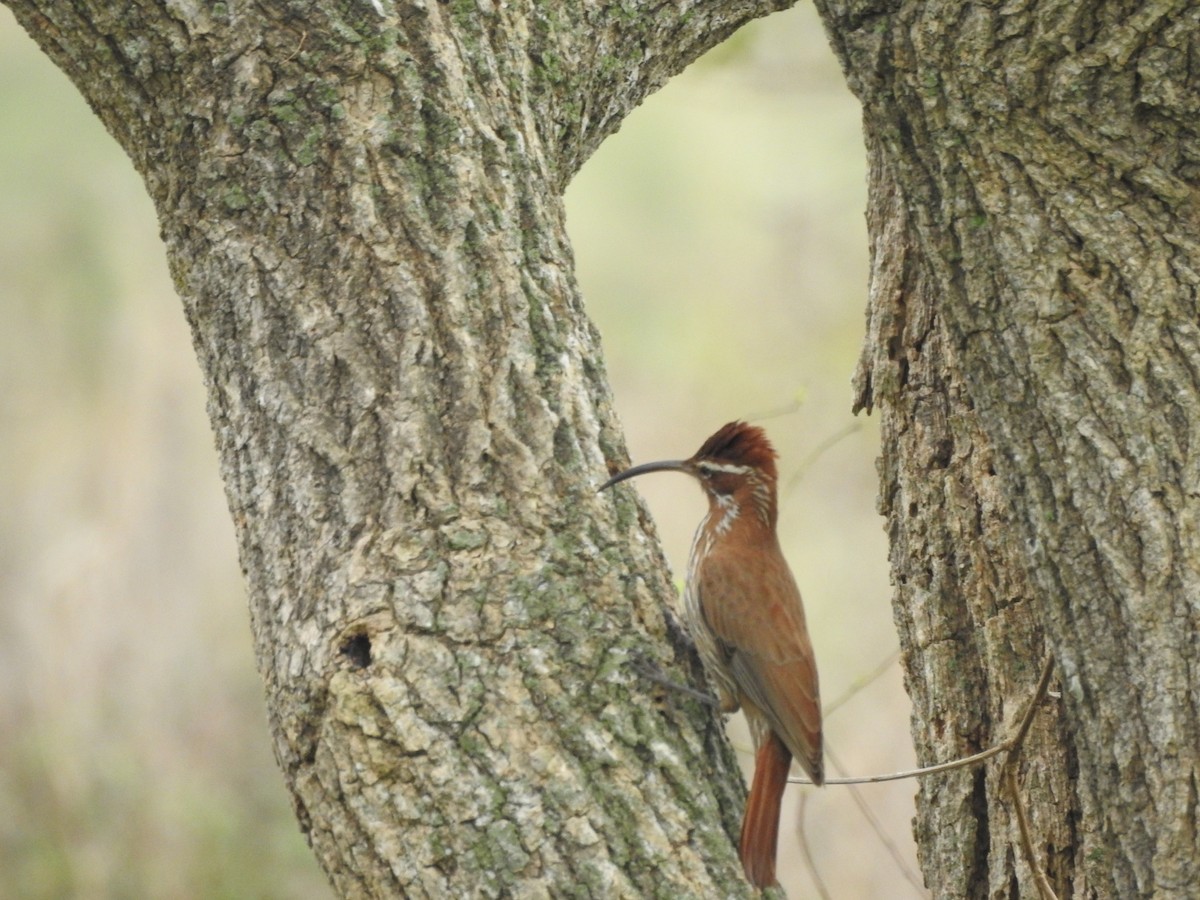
point(760, 827)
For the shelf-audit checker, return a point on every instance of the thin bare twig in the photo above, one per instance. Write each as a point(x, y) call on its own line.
point(913, 773)
point(1008, 744)
point(1009, 776)
point(1039, 876)
point(813, 873)
point(880, 832)
point(790, 408)
point(817, 452)
point(299, 47)
point(861, 684)
point(1038, 693)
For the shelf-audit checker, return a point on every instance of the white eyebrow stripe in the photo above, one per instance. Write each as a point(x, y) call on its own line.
point(731, 468)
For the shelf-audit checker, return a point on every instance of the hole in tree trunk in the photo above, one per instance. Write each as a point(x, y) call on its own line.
point(357, 649)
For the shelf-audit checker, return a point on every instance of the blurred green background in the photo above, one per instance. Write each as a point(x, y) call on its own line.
point(721, 247)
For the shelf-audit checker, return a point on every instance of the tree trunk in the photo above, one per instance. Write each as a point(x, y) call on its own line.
point(1034, 351)
point(363, 218)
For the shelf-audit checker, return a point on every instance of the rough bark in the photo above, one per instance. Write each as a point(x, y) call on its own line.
point(363, 218)
point(1034, 351)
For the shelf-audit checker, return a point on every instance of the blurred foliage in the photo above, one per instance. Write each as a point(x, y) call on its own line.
point(721, 248)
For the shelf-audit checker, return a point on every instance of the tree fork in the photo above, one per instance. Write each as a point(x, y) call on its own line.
point(363, 218)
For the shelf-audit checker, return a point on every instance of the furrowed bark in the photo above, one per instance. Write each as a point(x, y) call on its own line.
point(364, 221)
point(1033, 349)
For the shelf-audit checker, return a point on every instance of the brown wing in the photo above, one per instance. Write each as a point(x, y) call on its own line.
point(752, 604)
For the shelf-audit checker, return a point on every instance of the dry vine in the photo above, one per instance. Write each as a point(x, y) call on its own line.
point(1010, 745)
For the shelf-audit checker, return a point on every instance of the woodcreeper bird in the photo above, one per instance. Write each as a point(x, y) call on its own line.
point(743, 611)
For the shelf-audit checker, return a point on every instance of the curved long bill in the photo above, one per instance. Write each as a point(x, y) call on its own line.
point(666, 465)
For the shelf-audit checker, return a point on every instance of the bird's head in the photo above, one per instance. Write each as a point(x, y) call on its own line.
point(737, 462)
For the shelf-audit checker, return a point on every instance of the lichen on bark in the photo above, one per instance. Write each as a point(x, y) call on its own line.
point(364, 220)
